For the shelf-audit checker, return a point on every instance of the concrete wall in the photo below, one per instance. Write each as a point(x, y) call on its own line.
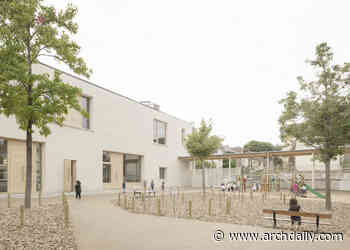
point(118, 124)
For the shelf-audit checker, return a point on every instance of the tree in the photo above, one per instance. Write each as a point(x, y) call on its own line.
point(225, 163)
point(200, 144)
point(259, 146)
point(30, 30)
point(320, 118)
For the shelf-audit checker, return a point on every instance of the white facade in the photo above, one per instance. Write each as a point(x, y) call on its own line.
point(117, 124)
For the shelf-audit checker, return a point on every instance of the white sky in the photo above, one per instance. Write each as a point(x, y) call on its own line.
point(222, 59)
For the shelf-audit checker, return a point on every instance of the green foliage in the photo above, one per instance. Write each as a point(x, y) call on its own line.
point(225, 163)
point(320, 117)
point(207, 164)
point(200, 144)
point(30, 30)
point(258, 146)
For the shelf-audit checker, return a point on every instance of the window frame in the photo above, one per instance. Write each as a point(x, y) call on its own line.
point(164, 169)
point(138, 161)
point(156, 132)
point(108, 164)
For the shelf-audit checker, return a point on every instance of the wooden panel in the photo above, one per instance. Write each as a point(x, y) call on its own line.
point(302, 214)
point(67, 176)
point(116, 171)
point(74, 174)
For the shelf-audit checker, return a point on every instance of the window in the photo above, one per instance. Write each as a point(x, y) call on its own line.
point(106, 158)
point(132, 168)
point(38, 166)
point(162, 173)
point(85, 104)
point(3, 165)
point(159, 132)
point(183, 136)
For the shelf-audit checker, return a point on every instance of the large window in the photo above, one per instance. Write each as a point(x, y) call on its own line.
point(132, 168)
point(162, 173)
point(107, 166)
point(38, 167)
point(85, 104)
point(159, 132)
point(3, 165)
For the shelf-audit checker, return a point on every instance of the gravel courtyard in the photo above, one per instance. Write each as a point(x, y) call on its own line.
point(242, 209)
point(43, 228)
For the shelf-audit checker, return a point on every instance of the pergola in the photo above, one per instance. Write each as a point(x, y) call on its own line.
point(267, 155)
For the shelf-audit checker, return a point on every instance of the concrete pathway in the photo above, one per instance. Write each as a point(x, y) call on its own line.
point(100, 225)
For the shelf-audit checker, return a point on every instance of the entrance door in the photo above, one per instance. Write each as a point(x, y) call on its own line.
point(69, 175)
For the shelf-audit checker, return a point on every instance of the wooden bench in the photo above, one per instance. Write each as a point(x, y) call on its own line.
point(318, 216)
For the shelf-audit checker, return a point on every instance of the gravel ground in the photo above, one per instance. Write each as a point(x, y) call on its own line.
point(43, 228)
point(245, 210)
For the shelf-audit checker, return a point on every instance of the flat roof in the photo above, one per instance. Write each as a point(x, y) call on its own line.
point(110, 91)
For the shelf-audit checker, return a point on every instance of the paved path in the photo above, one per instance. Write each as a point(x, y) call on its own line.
point(100, 225)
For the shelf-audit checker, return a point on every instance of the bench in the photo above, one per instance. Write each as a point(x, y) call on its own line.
point(318, 216)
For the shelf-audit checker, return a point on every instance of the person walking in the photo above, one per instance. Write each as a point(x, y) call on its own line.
point(78, 190)
point(152, 187)
point(123, 186)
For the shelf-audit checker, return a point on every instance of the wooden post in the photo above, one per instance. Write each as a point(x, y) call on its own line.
point(284, 199)
point(190, 208)
point(280, 195)
point(144, 204)
point(182, 197)
point(40, 198)
point(174, 204)
point(125, 202)
point(209, 206)
point(22, 215)
point(251, 194)
point(8, 200)
point(158, 206)
point(228, 206)
point(133, 204)
point(66, 215)
point(119, 199)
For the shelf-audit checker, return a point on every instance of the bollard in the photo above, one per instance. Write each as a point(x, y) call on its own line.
point(40, 198)
point(8, 200)
point(190, 208)
point(22, 215)
point(284, 199)
point(119, 199)
point(133, 204)
point(251, 194)
point(228, 206)
point(209, 206)
point(174, 208)
point(125, 202)
point(158, 206)
point(182, 197)
point(280, 195)
point(66, 214)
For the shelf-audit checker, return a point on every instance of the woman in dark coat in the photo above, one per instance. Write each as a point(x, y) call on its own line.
point(78, 190)
point(293, 206)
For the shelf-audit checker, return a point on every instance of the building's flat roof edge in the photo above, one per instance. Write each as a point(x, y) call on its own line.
point(111, 91)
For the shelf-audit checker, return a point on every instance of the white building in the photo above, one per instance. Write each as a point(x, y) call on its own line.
point(122, 138)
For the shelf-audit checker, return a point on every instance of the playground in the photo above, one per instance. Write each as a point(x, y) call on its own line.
point(234, 207)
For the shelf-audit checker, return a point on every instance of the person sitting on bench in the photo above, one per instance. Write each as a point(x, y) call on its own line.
point(293, 206)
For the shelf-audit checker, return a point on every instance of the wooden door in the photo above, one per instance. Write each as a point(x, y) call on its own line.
point(67, 176)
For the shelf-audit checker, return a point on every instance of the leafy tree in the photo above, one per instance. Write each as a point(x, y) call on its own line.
point(259, 146)
point(30, 30)
point(200, 144)
point(321, 116)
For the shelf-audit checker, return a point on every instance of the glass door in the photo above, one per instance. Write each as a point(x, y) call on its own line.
point(3, 165)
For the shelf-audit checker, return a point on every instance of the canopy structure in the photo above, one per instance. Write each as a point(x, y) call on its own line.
point(267, 154)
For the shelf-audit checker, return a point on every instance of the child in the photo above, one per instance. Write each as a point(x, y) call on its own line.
point(123, 186)
point(293, 206)
point(78, 190)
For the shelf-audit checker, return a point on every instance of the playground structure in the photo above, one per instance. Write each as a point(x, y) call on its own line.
point(268, 178)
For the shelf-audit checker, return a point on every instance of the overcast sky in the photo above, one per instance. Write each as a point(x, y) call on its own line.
point(222, 59)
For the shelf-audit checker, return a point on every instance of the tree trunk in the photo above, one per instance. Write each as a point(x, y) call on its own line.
point(328, 185)
point(28, 189)
point(203, 178)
